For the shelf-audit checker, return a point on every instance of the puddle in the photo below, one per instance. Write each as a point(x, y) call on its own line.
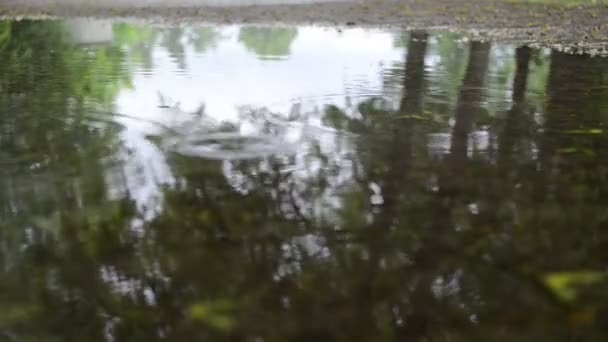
point(298, 183)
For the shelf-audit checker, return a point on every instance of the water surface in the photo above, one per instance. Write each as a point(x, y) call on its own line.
point(246, 183)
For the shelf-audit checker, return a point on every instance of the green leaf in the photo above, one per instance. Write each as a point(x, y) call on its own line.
point(566, 285)
point(585, 131)
point(217, 313)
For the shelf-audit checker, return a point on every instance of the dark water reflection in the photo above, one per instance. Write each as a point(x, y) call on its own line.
point(298, 184)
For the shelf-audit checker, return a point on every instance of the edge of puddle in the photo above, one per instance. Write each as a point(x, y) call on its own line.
point(580, 29)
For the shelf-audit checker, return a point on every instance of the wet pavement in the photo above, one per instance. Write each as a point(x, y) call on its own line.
point(564, 25)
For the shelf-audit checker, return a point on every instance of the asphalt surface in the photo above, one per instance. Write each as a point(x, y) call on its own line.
point(576, 29)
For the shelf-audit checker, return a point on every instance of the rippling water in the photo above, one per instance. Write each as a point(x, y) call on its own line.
point(249, 183)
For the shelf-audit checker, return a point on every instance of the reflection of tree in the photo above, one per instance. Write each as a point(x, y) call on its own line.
point(369, 239)
point(517, 123)
point(171, 39)
point(572, 151)
point(268, 42)
point(585, 92)
point(139, 41)
point(398, 179)
point(54, 105)
point(79, 90)
point(451, 49)
point(469, 99)
point(415, 265)
point(204, 38)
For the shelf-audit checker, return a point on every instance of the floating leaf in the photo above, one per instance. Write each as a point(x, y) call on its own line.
point(204, 216)
point(217, 314)
point(568, 150)
point(585, 151)
point(565, 285)
point(585, 131)
point(425, 116)
point(412, 116)
point(581, 317)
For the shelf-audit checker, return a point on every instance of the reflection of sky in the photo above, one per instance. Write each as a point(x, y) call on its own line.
point(322, 62)
point(324, 66)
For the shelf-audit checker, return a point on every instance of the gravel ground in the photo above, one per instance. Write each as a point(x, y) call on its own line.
point(574, 28)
